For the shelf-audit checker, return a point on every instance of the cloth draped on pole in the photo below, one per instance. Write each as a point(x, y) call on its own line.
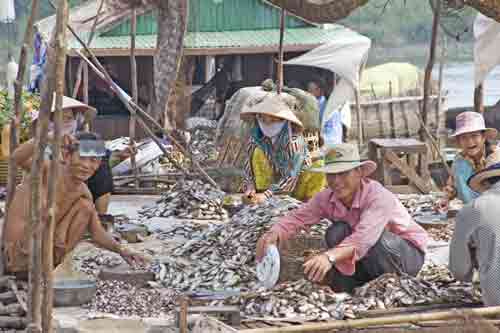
point(37, 67)
point(7, 11)
point(345, 57)
point(486, 47)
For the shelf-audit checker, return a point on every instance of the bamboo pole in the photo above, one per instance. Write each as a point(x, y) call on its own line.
point(281, 51)
point(430, 65)
point(135, 109)
point(370, 322)
point(479, 98)
point(48, 230)
point(18, 104)
point(442, 62)
point(133, 74)
point(359, 115)
point(81, 64)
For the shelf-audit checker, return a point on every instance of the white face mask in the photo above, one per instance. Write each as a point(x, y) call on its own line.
point(271, 130)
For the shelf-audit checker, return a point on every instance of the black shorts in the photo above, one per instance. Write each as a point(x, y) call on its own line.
point(101, 182)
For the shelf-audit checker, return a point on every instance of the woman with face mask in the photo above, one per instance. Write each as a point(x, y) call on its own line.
point(277, 153)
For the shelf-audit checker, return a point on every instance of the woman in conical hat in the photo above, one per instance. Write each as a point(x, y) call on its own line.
point(475, 141)
point(277, 153)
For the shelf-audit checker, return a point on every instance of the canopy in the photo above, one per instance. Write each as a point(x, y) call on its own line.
point(346, 56)
point(486, 47)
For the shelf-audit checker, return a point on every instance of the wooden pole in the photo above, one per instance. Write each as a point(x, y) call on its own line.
point(359, 116)
point(442, 62)
point(18, 106)
point(430, 65)
point(133, 74)
point(479, 98)
point(281, 52)
point(370, 322)
point(48, 230)
point(81, 64)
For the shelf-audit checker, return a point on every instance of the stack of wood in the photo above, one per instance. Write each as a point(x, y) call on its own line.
point(13, 308)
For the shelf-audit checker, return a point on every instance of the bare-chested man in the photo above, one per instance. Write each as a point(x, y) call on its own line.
point(74, 209)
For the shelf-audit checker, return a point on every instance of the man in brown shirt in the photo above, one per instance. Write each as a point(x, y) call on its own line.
point(75, 212)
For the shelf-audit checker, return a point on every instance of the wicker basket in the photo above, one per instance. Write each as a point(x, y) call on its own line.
point(299, 250)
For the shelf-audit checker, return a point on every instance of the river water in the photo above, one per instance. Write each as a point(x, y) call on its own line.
point(458, 81)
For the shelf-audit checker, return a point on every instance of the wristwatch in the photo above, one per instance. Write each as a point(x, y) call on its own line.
point(331, 258)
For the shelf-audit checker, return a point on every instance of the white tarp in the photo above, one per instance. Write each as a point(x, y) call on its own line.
point(486, 47)
point(345, 57)
point(7, 11)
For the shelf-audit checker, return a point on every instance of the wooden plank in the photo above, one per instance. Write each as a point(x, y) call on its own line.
point(407, 171)
point(386, 169)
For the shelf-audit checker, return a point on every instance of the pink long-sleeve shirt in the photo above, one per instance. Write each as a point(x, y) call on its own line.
point(374, 209)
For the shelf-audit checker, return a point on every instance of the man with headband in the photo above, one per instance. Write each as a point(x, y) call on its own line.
point(75, 212)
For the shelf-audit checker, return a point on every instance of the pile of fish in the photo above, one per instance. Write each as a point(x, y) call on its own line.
point(302, 299)
point(125, 299)
point(223, 256)
point(202, 146)
point(391, 290)
point(299, 299)
point(417, 204)
point(91, 264)
point(442, 233)
point(189, 199)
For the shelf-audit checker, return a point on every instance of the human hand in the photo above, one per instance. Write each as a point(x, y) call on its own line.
point(442, 205)
point(316, 268)
point(269, 238)
point(133, 258)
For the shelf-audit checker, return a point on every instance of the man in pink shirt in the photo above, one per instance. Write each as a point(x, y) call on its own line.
point(371, 232)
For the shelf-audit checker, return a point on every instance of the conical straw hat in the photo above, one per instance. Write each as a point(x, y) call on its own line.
point(274, 105)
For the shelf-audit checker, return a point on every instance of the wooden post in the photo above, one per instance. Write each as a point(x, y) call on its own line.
point(281, 52)
point(48, 231)
point(440, 88)
point(133, 77)
point(359, 116)
point(81, 64)
point(479, 98)
point(18, 106)
point(430, 65)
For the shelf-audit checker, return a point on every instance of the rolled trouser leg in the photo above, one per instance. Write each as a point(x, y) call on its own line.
point(392, 254)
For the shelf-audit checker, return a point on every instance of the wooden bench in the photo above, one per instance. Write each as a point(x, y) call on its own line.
point(408, 156)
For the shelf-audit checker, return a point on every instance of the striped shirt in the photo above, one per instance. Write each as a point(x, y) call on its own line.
point(288, 157)
point(476, 244)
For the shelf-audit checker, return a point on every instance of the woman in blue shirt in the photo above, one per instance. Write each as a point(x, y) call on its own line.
point(473, 138)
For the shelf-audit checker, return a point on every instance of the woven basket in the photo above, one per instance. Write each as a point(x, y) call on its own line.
point(299, 250)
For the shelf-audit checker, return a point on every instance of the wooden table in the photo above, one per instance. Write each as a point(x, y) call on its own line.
point(408, 156)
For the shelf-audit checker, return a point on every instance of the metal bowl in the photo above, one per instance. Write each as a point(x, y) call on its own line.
point(74, 292)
